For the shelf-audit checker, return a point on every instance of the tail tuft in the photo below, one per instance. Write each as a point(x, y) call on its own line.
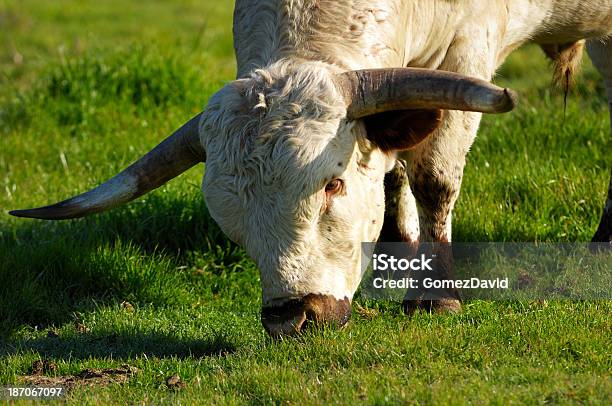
point(566, 62)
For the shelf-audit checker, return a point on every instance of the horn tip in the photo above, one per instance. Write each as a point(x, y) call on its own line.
point(511, 99)
point(54, 212)
point(18, 213)
point(27, 213)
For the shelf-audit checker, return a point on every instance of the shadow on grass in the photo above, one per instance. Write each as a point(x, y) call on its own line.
point(141, 253)
point(120, 346)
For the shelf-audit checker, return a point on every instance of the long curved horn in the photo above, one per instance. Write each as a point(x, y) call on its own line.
point(170, 158)
point(372, 91)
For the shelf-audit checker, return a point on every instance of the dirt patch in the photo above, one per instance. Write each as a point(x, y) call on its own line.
point(52, 334)
point(175, 382)
point(525, 280)
point(81, 327)
point(40, 367)
point(127, 306)
point(87, 377)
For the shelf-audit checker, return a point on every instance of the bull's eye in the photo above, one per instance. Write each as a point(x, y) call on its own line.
point(334, 186)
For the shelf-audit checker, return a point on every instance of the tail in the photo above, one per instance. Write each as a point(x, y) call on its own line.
point(566, 60)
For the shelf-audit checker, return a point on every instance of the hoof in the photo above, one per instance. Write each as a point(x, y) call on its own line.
point(432, 306)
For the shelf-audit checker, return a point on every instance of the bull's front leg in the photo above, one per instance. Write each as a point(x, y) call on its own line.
point(401, 216)
point(435, 170)
point(600, 52)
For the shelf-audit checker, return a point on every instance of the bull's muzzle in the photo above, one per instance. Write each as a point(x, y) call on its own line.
point(312, 310)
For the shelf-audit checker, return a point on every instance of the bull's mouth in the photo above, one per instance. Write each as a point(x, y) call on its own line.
point(313, 310)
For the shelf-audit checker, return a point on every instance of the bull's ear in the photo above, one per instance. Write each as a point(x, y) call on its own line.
point(401, 129)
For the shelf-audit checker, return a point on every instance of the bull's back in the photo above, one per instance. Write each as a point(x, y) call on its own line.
point(573, 20)
point(357, 34)
point(352, 34)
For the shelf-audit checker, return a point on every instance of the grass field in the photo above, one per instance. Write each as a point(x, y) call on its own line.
point(86, 87)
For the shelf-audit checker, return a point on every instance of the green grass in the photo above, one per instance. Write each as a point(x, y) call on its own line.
point(86, 87)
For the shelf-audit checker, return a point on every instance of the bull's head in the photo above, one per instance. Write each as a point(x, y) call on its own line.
point(295, 160)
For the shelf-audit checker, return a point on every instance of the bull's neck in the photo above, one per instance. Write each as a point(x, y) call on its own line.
point(350, 34)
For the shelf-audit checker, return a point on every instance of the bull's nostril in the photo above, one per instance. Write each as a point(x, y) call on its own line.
point(299, 324)
point(279, 326)
point(297, 315)
point(287, 319)
point(312, 318)
point(311, 315)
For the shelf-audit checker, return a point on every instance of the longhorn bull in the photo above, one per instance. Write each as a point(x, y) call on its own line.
point(330, 96)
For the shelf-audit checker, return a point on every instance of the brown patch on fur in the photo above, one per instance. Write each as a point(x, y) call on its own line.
point(391, 232)
point(395, 180)
point(401, 129)
point(434, 195)
point(313, 309)
point(566, 62)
